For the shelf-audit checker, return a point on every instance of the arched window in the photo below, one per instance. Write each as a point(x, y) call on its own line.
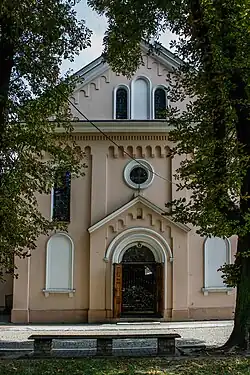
point(59, 263)
point(121, 110)
point(138, 253)
point(141, 99)
point(216, 254)
point(61, 196)
point(160, 103)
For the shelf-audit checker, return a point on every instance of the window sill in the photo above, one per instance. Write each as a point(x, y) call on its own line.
point(226, 290)
point(47, 292)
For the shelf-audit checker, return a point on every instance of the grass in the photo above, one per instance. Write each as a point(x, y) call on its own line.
point(227, 366)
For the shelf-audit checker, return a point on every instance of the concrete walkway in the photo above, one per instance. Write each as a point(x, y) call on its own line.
point(211, 333)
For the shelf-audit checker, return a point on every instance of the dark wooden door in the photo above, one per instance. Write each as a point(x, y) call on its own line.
point(160, 287)
point(117, 290)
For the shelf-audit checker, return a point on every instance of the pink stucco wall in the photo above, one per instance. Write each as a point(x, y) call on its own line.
point(99, 193)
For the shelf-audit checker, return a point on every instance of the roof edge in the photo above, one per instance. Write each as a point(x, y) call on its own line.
point(131, 203)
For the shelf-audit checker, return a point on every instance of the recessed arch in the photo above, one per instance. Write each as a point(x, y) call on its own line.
point(146, 236)
point(59, 262)
point(217, 251)
point(140, 98)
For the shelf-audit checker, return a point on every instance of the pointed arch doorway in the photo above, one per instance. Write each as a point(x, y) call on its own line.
point(138, 283)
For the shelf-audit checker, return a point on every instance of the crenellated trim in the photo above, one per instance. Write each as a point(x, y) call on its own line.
point(131, 203)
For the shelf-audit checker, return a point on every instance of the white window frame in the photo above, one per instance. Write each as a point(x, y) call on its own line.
point(224, 289)
point(149, 83)
point(47, 290)
point(140, 163)
point(164, 87)
point(126, 87)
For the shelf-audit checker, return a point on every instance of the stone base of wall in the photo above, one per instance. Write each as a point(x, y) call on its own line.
point(180, 314)
point(49, 316)
point(105, 316)
point(97, 316)
point(19, 316)
point(208, 313)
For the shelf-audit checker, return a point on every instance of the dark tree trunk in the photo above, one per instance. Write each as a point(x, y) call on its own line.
point(240, 334)
point(238, 97)
point(6, 65)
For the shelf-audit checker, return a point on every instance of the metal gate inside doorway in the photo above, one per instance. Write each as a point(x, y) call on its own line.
point(139, 282)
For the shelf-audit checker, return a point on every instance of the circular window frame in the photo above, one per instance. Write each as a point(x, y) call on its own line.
point(142, 163)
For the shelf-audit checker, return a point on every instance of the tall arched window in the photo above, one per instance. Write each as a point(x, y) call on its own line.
point(160, 103)
point(216, 254)
point(141, 99)
point(59, 263)
point(61, 196)
point(121, 110)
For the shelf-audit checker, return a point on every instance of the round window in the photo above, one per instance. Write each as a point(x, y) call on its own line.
point(138, 174)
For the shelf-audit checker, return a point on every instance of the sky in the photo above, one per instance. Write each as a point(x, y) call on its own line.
point(98, 26)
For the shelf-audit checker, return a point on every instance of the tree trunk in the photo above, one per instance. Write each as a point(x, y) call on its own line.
point(239, 99)
point(6, 65)
point(240, 335)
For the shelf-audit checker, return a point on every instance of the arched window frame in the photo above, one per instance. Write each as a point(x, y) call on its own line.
point(49, 290)
point(126, 87)
point(208, 289)
point(149, 83)
point(164, 87)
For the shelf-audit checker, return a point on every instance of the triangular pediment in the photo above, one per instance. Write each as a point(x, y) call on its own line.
point(140, 201)
point(98, 68)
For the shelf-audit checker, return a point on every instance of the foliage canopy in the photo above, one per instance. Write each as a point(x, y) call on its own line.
point(35, 37)
point(213, 133)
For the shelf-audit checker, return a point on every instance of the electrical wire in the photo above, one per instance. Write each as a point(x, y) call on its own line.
point(106, 136)
point(112, 141)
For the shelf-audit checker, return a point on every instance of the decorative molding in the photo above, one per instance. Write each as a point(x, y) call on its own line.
point(106, 76)
point(70, 292)
point(85, 90)
point(95, 80)
point(226, 290)
point(164, 57)
point(139, 151)
point(98, 67)
point(148, 237)
point(131, 203)
point(97, 71)
point(118, 138)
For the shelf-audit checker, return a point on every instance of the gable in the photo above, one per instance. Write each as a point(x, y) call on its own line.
point(138, 208)
point(95, 96)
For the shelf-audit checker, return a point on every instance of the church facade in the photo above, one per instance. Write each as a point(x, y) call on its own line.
point(122, 259)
